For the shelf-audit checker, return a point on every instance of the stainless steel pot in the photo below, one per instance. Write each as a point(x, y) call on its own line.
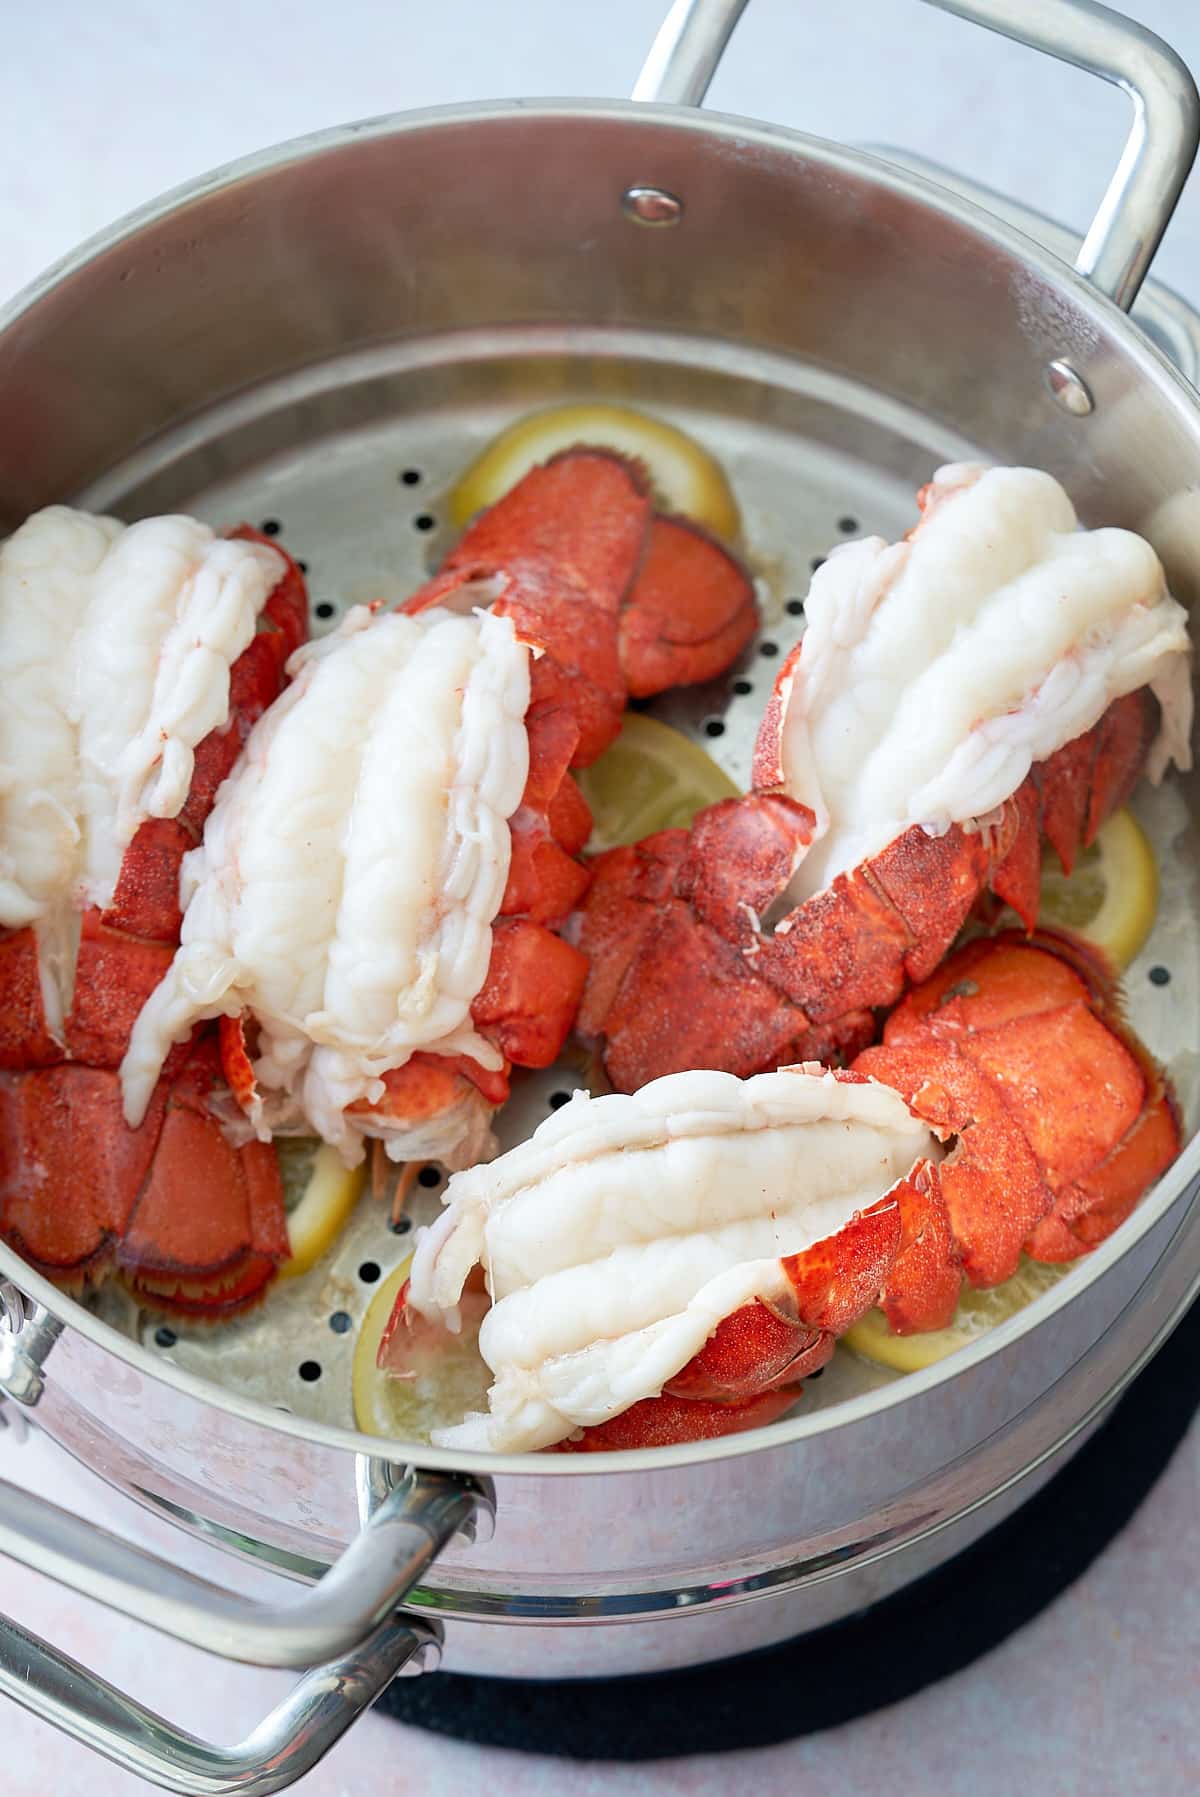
point(283, 338)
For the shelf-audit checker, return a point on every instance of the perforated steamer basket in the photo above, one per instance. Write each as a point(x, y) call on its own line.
point(298, 337)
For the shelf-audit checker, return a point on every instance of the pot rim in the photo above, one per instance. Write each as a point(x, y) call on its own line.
point(749, 135)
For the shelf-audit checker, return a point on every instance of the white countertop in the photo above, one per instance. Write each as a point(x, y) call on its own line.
point(105, 106)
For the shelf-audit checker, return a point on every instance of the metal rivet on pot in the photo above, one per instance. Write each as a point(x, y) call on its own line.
point(651, 206)
point(1070, 389)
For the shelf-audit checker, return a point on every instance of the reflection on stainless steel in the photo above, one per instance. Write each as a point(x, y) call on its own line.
point(684, 56)
point(1161, 146)
point(12, 1307)
point(1069, 389)
point(651, 206)
point(831, 327)
point(30, 1331)
point(382, 1563)
point(1158, 154)
point(285, 1745)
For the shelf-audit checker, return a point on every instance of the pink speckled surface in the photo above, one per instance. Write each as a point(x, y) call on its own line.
point(1100, 1694)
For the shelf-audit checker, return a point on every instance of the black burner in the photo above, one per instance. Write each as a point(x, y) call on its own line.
point(947, 1620)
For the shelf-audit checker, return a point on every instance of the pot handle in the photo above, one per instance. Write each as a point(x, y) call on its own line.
point(1158, 153)
point(345, 1629)
point(283, 1748)
point(405, 1533)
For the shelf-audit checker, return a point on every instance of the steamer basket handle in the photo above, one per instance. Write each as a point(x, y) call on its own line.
point(345, 1629)
point(284, 1747)
point(1158, 153)
point(405, 1533)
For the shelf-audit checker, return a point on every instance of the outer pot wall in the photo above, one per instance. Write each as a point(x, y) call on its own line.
point(827, 1516)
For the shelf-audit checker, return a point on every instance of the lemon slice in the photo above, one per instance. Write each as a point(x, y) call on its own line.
point(651, 778)
point(1111, 895)
point(447, 1376)
point(685, 477)
point(319, 1193)
point(978, 1311)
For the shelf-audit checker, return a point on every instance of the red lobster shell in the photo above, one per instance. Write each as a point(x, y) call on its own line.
point(190, 1220)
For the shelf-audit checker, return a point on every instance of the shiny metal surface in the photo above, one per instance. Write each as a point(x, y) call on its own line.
point(651, 206)
point(287, 337)
point(1161, 146)
point(1070, 389)
point(12, 1308)
point(1158, 153)
point(1169, 322)
point(285, 1745)
point(684, 56)
point(28, 1331)
point(1092, 1386)
point(816, 1504)
point(405, 1532)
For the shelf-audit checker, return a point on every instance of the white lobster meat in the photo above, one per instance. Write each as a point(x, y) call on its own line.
point(996, 680)
point(618, 1238)
point(349, 875)
point(115, 649)
point(935, 671)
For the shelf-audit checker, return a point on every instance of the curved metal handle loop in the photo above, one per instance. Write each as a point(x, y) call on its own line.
point(344, 1628)
point(1162, 142)
point(1158, 154)
point(410, 1527)
point(684, 56)
point(285, 1745)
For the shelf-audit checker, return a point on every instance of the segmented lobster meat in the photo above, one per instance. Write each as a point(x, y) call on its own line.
point(344, 895)
point(145, 899)
point(616, 603)
point(190, 1220)
point(1016, 1051)
point(671, 1265)
point(428, 926)
point(944, 713)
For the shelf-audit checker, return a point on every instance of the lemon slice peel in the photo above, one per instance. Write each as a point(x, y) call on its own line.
point(323, 1193)
point(978, 1311)
point(1110, 898)
point(445, 1375)
point(685, 478)
point(651, 778)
